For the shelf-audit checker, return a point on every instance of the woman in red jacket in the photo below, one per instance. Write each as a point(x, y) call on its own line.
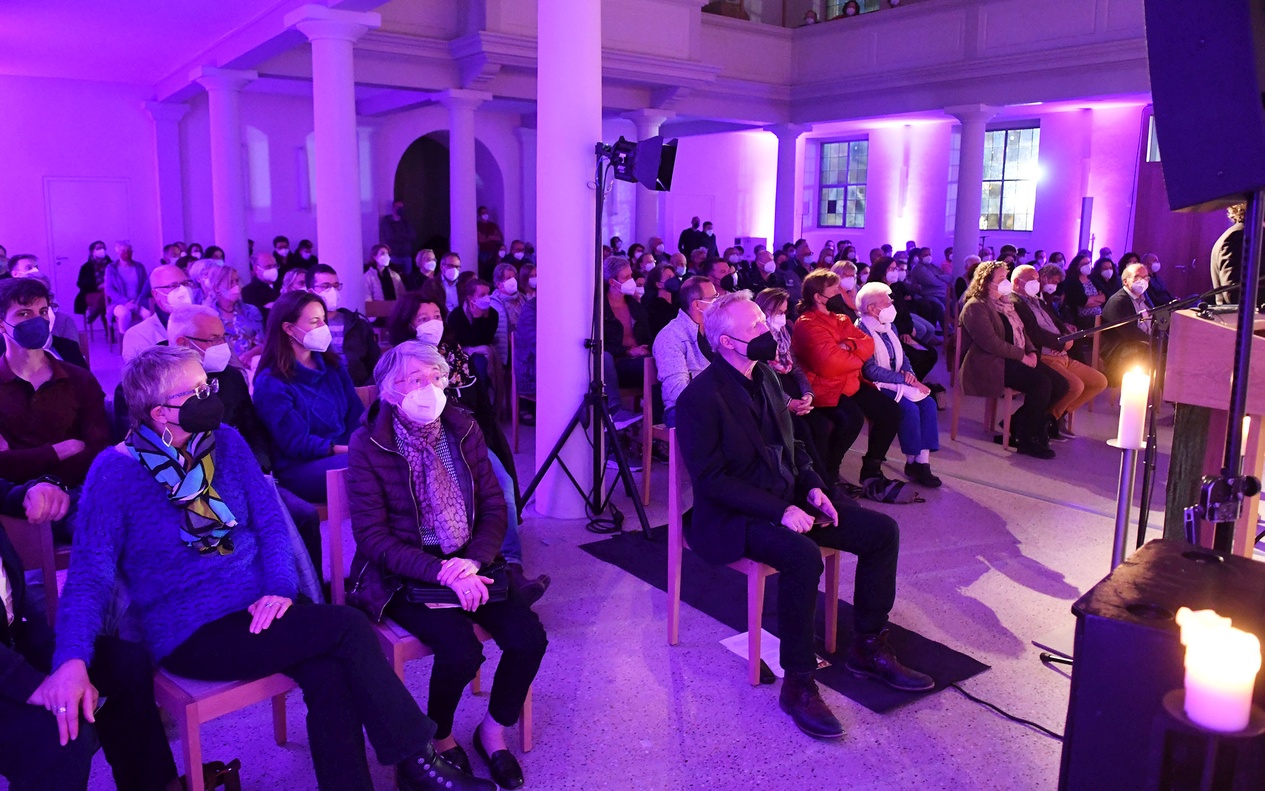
point(831, 350)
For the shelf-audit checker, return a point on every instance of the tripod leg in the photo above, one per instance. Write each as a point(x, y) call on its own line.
point(554, 456)
point(625, 474)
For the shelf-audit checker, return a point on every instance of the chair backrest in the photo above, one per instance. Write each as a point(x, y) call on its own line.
point(34, 545)
point(85, 350)
point(368, 394)
point(379, 308)
point(956, 362)
point(648, 379)
point(339, 514)
point(1094, 344)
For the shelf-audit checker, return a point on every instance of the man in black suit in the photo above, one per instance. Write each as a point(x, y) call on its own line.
point(1227, 255)
point(756, 495)
point(1130, 345)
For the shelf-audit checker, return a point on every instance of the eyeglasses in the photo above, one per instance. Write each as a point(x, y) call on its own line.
point(414, 382)
point(168, 289)
point(328, 286)
point(215, 341)
point(201, 392)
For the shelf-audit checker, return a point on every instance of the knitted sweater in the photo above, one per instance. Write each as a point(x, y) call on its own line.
point(128, 531)
point(304, 416)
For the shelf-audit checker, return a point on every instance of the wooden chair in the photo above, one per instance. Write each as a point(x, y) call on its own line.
point(379, 308)
point(757, 574)
point(85, 350)
point(516, 398)
point(649, 430)
point(398, 644)
point(1095, 356)
point(34, 545)
point(990, 406)
point(368, 394)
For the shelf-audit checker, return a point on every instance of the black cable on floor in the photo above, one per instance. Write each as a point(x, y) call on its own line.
point(1008, 715)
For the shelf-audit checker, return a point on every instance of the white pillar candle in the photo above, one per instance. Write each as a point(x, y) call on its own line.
point(1221, 667)
point(1134, 390)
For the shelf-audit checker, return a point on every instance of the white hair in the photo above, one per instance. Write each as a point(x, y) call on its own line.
point(970, 260)
point(717, 321)
point(149, 376)
point(869, 292)
point(394, 359)
point(1022, 270)
point(183, 320)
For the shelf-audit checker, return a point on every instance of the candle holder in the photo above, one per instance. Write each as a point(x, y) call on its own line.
point(1124, 497)
point(1186, 755)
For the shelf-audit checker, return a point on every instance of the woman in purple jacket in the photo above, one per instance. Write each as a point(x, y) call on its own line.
point(427, 511)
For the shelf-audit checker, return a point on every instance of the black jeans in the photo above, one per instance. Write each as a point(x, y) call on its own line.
point(1041, 386)
point(348, 685)
point(449, 632)
point(838, 427)
point(873, 537)
point(128, 728)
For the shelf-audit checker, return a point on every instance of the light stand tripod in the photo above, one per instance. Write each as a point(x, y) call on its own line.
point(593, 411)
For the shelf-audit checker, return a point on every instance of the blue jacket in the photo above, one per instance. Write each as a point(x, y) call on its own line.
point(304, 416)
point(128, 532)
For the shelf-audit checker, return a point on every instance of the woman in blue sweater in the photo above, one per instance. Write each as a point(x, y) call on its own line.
point(304, 396)
point(181, 516)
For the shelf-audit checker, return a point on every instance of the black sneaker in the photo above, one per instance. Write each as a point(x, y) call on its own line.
point(1054, 433)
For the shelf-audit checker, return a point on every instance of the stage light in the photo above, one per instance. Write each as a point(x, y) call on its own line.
point(648, 163)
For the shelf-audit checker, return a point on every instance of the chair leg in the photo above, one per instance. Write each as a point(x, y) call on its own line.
point(755, 619)
point(674, 583)
point(279, 719)
point(514, 426)
point(956, 411)
point(191, 746)
point(647, 446)
point(1008, 404)
point(524, 723)
point(833, 562)
point(476, 685)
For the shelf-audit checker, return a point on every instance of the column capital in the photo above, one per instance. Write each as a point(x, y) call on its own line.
point(980, 113)
point(166, 111)
point(789, 131)
point(462, 98)
point(649, 120)
point(214, 79)
point(319, 22)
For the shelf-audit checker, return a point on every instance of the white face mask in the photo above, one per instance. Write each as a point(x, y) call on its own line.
point(768, 267)
point(318, 339)
point(383, 259)
point(283, 251)
point(1087, 268)
point(180, 295)
point(892, 276)
point(848, 283)
point(484, 217)
point(330, 295)
point(531, 282)
point(1032, 288)
point(708, 231)
point(425, 404)
point(428, 264)
point(1155, 267)
point(98, 254)
point(735, 258)
point(518, 255)
point(888, 314)
point(510, 286)
point(450, 274)
point(658, 248)
point(1004, 288)
point(215, 358)
point(640, 292)
point(628, 287)
point(483, 303)
point(1107, 274)
point(901, 274)
point(648, 268)
point(501, 253)
point(1049, 288)
point(269, 275)
point(430, 331)
point(1139, 286)
point(777, 323)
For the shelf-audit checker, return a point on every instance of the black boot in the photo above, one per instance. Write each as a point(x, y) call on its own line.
point(871, 656)
point(531, 590)
point(871, 469)
point(801, 699)
point(920, 473)
point(426, 771)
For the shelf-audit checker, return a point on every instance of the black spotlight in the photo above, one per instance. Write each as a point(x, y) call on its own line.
point(648, 163)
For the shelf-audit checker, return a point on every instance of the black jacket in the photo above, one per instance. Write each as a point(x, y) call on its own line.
point(1227, 259)
point(1119, 306)
point(1041, 337)
point(360, 347)
point(261, 293)
point(18, 679)
point(730, 463)
point(613, 330)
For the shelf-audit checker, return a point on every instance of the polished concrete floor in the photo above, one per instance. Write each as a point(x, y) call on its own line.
point(990, 562)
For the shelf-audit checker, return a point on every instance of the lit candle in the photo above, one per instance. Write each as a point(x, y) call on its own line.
point(1221, 667)
point(1134, 390)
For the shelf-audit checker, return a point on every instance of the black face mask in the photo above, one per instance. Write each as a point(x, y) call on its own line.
point(32, 333)
point(672, 285)
point(762, 348)
point(836, 304)
point(198, 415)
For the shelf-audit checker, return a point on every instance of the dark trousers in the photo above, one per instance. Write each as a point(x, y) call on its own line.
point(839, 426)
point(873, 537)
point(449, 632)
point(128, 729)
point(348, 685)
point(1041, 386)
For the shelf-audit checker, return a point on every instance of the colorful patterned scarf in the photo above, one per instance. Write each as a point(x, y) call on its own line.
point(433, 475)
point(187, 475)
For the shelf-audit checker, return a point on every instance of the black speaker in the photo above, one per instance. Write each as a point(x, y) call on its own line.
point(1207, 63)
point(1128, 655)
point(649, 162)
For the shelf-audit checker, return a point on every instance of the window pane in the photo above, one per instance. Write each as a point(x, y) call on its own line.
point(831, 206)
point(856, 207)
point(858, 163)
point(990, 206)
point(994, 155)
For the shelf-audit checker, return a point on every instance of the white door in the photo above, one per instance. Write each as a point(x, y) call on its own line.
point(81, 211)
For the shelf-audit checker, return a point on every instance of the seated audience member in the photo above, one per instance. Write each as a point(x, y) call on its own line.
point(304, 396)
point(1031, 295)
point(243, 324)
point(626, 331)
point(424, 265)
point(124, 286)
point(643, 263)
point(909, 322)
point(351, 335)
point(756, 495)
point(527, 281)
point(214, 253)
point(281, 252)
point(660, 299)
point(931, 281)
point(294, 280)
point(1106, 276)
point(63, 321)
point(263, 288)
point(211, 578)
point(381, 281)
point(968, 265)
point(863, 274)
point(304, 257)
point(508, 302)
point(474, 324)
point(1157, 293)
point(24, 265)
point(832, 351)
point(45, 743)
point(998, 353)
point(433, 514)
point(891, 372)
point(946, 266)
point(720, 273)
point(446, 284)
point(52, 414)
point(1082, 302)
point(1128, 346)
point(846, 271)
point(680, 351)
point(171, 288)
point(759, 275)
point(58, 346)
point(525, 354)
point(90, 301)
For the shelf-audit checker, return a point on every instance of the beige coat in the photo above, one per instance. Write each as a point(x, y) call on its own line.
point(985, 348)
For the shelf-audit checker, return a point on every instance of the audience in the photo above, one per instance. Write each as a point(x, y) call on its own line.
point(490, 240)
point(381, 281)
point(294, 280)
point(474, 325)
point(627, 336)
point(263, 288)
point(1157, 293)
point(124, 286)
point(525, 357)
point(171, 287)
point(352, 337)
point(243, 323)
point(680, 350)
point(449, 270)
point(90, 301)
point(432, 515)
point(1129, 346)
point(508, 302)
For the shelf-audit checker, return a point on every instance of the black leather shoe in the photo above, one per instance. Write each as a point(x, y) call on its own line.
point(458, 758)
point(801, 699)
point(502, 763)
point(871, 656)
point(920, 474)
point(531, 590)
point(426, 771)
point(1035, 449)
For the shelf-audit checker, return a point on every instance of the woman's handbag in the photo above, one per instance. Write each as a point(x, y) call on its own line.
point(433, 593)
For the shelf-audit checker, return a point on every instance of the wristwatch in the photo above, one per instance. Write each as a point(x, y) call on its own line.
point(54, 481)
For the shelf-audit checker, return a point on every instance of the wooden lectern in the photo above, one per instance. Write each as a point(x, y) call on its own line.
point(1197, 373)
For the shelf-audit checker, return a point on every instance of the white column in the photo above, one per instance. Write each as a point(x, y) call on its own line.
point(786, 219)
point(166, 118)
point(973, 118)
point(228, 193)
point(569, 124)
point(462, 196)
point(649, 202)
point(527, 156)
point(337, 143)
